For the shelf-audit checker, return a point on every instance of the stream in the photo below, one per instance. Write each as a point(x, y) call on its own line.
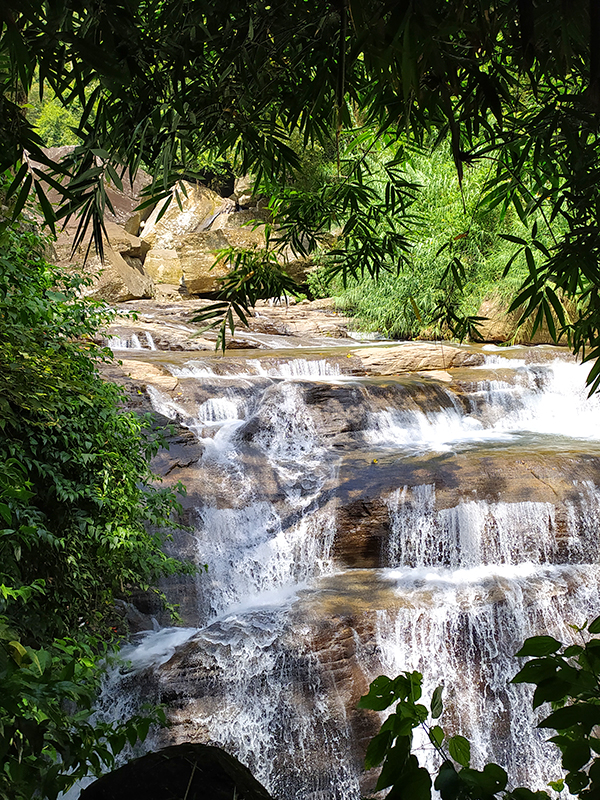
point(353, 526)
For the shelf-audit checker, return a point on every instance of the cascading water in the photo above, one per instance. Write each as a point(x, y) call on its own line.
point(286, 635)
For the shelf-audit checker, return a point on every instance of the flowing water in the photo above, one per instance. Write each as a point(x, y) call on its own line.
point(356, 526)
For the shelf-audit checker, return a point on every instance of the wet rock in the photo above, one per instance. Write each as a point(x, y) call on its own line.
point(270, 327)
point(316, 318)
point(193, 771)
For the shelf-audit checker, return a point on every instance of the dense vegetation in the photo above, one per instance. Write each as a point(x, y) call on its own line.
point(512, 84)
point(81, 523)
point(450, 223)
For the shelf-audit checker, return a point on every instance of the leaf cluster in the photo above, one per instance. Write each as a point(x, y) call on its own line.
point(567, 676)
point(48, 740)
point(80, 524)
point(77, 494)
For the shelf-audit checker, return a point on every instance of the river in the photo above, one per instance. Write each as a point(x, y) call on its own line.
point(353, 526)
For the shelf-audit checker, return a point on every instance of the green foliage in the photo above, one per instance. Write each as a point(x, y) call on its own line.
point(47, 739)
point(53, 122)
point(80, 523)
point(79, 501)
point(513, 85)
point(566, 676)
point(458, 257)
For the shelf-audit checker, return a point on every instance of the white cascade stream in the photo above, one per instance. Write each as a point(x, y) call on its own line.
point(256, 670)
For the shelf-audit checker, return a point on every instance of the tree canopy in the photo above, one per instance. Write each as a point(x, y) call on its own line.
point(162, 82)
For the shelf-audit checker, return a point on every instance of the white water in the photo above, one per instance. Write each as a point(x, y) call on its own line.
point(548, 399)
point(470, 581)
point(132, 342)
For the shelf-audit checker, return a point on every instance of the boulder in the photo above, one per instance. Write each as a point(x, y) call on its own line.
point(416, 357)
point(198, 211)
point(500, 325)
point(183, 244)
point(243, 228)
point(123, 201)
point(193, 771)
point(119, 276)
point(197, 253)
point(114, 280)
point(243, 191)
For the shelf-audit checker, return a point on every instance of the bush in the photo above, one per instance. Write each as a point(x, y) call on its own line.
point(81, 523)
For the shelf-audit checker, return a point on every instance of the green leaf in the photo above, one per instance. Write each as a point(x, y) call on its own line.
point(536, 670)
point(416, 784)
point(573, 650)
point(515, 239)
point(497, 777)
point(380, 696)
point(436, 735)
point(576, 781)
point(576, 755)
point(448, 782)
point(6, 513)
point(460, 750)
point(563, 718)
point(539, 646)
point(437, 705)
point(395, 764)
point(377, 749)
point(594, 626)
point(526, 794)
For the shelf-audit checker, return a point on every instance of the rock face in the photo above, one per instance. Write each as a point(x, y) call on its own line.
point(170, 253)
point(271, 326)
point(193, 771)
point(200, 206)
point(500, 325)
point(353, 521)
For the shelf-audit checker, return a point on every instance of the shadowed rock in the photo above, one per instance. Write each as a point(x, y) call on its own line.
point(193, 771)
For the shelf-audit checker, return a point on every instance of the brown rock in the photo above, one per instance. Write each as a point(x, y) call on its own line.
point(149, 373)
point(416, 357)
point(114, 280)
point(500, 325)
point(188, 264)
point(197, 254)
point(123, 201)
point(119, 276)
point(199, 209)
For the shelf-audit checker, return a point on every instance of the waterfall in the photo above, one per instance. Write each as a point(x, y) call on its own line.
point(132, 342)
point(456, 559)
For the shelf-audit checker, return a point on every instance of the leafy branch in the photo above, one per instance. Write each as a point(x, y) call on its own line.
point(567, 676)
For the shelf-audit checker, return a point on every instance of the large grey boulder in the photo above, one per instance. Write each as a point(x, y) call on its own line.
point(200, 206)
